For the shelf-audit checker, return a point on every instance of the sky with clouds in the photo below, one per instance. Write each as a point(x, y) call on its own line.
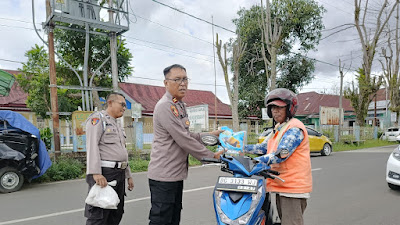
point(160, 36)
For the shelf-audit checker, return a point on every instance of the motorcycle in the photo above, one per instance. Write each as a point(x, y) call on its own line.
point(239, 199)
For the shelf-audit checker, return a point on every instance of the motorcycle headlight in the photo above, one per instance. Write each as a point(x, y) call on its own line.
point(222, 216)
point(255, 200)
point(396, 153)
point(247, 216)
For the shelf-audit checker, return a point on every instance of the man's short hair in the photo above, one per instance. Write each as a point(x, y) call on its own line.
point(113, 96)
point(168, 69)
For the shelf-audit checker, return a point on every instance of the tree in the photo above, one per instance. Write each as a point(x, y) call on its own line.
point(366, 87)
point(285, 23)
point(34, 80)
point(390, 66)
point(238, 49)
point(270, 34)
point(71, 46)
point(292, 70)
point(360, 96)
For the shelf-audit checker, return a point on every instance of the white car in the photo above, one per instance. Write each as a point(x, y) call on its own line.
point(398, 139)
point(393, 169)
point(391, 134)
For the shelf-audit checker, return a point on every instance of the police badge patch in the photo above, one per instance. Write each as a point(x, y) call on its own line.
point(95, 121)
point(174, 110)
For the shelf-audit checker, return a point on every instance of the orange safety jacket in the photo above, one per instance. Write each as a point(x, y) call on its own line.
point(296, 170)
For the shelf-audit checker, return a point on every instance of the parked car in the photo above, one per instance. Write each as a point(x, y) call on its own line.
point(390, 134)
point(23, 155)
point(318, 142)
point(264, 134)
point(393, 169)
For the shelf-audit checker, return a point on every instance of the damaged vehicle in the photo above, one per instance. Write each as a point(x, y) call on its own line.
point(23, 155)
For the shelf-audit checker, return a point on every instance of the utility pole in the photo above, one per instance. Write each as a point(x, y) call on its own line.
point(215, 78)
point(85, 67)
point(53, 87)
point(113, 49)
point(375, 119)
point(340, 100)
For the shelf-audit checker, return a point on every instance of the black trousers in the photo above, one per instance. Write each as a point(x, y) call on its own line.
point(99, 216)
point(166, 202)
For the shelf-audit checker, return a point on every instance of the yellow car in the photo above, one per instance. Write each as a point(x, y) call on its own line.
point(318, 142)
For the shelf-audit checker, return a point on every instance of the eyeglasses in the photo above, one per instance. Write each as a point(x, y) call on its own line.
point(179, 80)
point(123, 104)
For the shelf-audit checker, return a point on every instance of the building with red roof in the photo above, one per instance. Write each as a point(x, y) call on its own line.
point(311, 102)
point(16, 98)
point(148, 96)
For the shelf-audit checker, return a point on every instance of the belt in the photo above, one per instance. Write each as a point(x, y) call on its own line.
point(111, 164)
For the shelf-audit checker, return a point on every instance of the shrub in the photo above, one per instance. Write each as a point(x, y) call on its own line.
point(330, 133)
point(46, 136)
point(63, 169)
point(252, 138)
point(138, 165)
point(193, 161)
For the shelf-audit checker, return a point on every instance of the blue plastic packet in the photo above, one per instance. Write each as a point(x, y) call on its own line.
point(231, 141)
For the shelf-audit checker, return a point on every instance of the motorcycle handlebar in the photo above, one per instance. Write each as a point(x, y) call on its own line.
point(273, 172)
point(265, 174)
point(211, 160)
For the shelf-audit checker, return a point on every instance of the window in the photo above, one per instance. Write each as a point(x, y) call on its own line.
point(311, 132)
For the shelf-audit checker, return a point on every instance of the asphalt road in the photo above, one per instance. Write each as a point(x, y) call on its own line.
point(349, 188)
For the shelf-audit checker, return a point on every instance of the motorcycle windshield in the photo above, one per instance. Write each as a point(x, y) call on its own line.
point(239, 164)
point(244, 165)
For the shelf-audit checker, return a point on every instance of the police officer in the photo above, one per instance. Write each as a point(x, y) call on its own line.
point(172, 144)
point(107, 158)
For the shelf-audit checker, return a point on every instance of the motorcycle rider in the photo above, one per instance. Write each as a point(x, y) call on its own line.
point(288, 152)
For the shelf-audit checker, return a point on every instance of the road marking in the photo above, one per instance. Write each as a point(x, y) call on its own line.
point(370, 151)
point(41, 217)
point(82, 209)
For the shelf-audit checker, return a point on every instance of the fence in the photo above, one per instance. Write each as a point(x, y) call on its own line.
point(253, 132)
point(143, 132)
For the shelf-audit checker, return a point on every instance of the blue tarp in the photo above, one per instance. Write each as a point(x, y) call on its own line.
point(18, 121)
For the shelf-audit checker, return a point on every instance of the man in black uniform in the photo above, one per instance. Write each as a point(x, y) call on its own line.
point(107, 158)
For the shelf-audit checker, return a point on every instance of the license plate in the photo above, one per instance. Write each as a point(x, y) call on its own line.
point(237, 184)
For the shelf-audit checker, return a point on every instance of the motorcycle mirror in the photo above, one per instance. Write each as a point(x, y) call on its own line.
point(209, 139)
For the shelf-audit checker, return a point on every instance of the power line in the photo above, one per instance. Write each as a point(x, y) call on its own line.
point(159, 24)
point(336, 8)
point(17, 27)
point(167, 46)
point(194, 16)
point(169, 51)
point(13, 61)
point(336, 32)
point(22, 21)
point(145, 78)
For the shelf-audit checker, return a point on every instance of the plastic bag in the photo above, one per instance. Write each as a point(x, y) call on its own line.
point(105, 198)
point(232, 142)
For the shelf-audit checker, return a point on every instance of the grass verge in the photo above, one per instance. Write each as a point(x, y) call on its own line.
point(338, 147)
point(67, 168)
